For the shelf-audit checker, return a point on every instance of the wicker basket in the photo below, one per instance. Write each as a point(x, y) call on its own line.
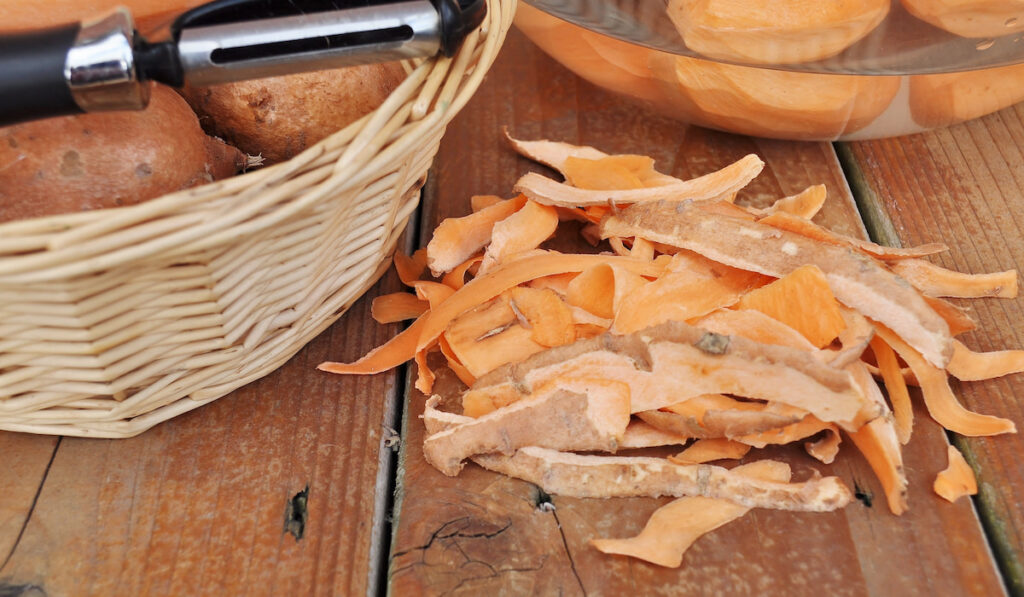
point(112, 321)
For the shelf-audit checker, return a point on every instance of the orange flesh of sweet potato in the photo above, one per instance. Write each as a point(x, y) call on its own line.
point(711, 449)
point(937, 281)
point(857, 281)
point(456, 278)
point(479, 202)
point(878, 443)
point(601, 289)
point(425, 330)
point(673, 361)
point(454, 363)
point(957, 480)
point(896, 386)
point(550, 319)
point(574, 475)
point(942, 404)
point(555, 155)
point(559, 419)
point(755, 326)
point(397, 306)
point(804, 428)
point(521, 231)
point(610, 173)
point(434, 293)
point(955, 317)
point(410, 267)
point(674, 527)
point(825, 449)
point(967, 365)
point(594, 291)
point(803, 301)
point(641, 435)
point(693, 287)
point(716, 416)
point(710, 186)
point(642, 249)
point(394, 352)
point(486, 287)
point(456, 239)
point(804, 204)
point(490, 336)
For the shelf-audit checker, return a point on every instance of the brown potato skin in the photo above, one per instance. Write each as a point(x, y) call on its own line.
point(96, 161)
point(279, 117)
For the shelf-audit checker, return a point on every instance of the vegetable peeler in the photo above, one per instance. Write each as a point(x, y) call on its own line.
point(106, 64)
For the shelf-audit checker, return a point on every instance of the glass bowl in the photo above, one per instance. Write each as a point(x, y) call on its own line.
point(794, 69)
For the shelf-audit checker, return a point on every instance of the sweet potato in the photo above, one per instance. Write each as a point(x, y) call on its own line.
point(771, 32)
point(279, 117)
point(111, 159)
point(779, 104)
point(970, 18)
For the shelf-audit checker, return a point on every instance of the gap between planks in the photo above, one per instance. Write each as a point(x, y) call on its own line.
point(881, 230)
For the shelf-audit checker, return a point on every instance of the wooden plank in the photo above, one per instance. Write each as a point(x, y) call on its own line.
point(480, 533)
point(26, 459)
point(964, 186)
point(200, 504)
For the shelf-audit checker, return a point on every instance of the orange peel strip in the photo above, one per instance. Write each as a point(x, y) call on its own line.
point(434, 293)
point(399, 349)
point(942, 404)
point(805, 227)
point(967, 365)
point(550, 319)
point(896, 386)
point(710, 449)
point(397, 306)
point(521, 231)
point(957, 480)
point(803, 301)
point(674, 527)
point(410, 268)
point(456, 239)
point(938, 281)
point(804, 204)
point(878, 443)
point(710, 186)
point(456, 278)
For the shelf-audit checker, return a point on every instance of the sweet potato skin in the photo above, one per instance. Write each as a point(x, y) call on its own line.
point(111, 159)
point(279, 117)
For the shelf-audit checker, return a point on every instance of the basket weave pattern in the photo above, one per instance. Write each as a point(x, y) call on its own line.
point(112, 321)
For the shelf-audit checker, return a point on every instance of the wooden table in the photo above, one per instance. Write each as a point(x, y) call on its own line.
point(299, 485)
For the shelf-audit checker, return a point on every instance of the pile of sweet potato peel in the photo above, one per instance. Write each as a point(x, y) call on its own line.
point(708, 326)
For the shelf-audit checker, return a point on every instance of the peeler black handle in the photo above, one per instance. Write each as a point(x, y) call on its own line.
point(32, 80)
point(70, 69)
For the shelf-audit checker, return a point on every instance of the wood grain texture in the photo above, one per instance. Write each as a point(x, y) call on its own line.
point(197, 505)
point(26, 459)
point(964, 186)
point(480, 533)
